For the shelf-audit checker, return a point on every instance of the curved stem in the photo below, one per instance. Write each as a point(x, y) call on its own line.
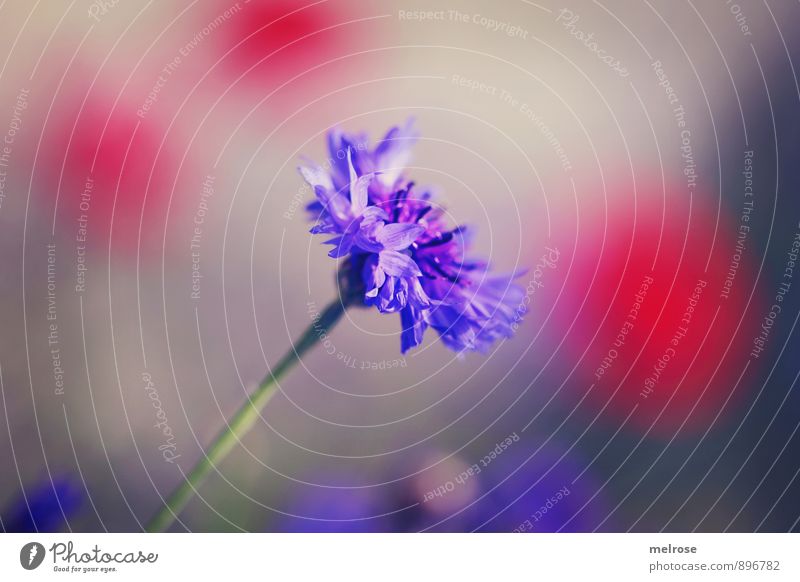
point(245, 417)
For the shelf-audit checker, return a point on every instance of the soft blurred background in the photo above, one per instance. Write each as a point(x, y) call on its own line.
point(156, 262)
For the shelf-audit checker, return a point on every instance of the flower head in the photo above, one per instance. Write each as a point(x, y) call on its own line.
point(402, 255)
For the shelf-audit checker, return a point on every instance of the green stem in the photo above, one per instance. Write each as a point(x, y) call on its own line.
point(244, 418)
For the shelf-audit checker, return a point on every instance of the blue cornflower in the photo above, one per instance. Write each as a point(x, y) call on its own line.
point(401, 253)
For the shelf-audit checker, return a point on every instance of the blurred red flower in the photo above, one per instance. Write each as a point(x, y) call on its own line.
point(668, 319)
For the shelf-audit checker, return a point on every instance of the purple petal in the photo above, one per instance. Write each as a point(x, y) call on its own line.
point(414, 326)
point(392, 295)
point(397, 264)
point(315, 176)
point(366, 237)
point(324, 228)
point(417, 295)
point(358, 194)
point(335, 204)
point(343, 244)
point(387, 291)
point(372, 214)
point(338, 144)
point(373, 276)
point(353, 174)
point(399, 236)
point(393, 153)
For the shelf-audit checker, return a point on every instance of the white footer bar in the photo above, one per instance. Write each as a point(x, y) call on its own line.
point(355, 557)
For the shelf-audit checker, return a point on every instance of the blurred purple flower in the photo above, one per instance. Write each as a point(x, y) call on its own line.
point(519, 490)
point(44, 508)
point(545, 491)
point(341, 509)
point(401, 252)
